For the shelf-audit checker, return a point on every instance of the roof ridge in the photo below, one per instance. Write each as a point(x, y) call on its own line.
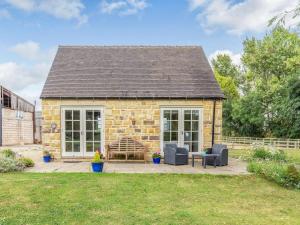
point(130, 46)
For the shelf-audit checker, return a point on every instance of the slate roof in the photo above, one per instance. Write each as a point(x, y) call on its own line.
point(131, 72)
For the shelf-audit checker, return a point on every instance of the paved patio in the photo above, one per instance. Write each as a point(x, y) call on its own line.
point(235, 167)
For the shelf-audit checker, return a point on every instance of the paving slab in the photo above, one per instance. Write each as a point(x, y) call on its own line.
point(235, 167)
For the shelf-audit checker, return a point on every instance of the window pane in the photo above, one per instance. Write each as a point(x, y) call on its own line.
point(68, 136)
point(89, 115)
point(68, 114)
point(76, 136)
point(187, 114)
point(96, 125)
point(76, 146)
point(76, 125)
point(89, 146)
point(167, 114)
point(97, 115)
point(89, 125)
point(174, 125)
point(76, 115)
point(174, 115)
point(188, 146)
point(195, 136)
point(195, 125)
point(89, 136)
point(195, 147)
point(195, 115)
point(187, 125)
point(68, 125)
point(97, 136)
point(174, 136)
point(187, 136)
point(97, 146)
point(68, 146)
point(167, 125)
point(167, 136)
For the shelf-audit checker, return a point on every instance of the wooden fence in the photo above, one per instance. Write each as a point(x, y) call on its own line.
point(249, 142)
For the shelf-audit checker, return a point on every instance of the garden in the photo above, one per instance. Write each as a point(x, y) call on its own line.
point(281, 167)
point(89, 198)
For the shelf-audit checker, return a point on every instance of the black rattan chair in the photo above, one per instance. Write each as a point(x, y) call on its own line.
point(221, 151)
point(175, 156)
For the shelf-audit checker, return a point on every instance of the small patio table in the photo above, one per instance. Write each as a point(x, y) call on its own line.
point(204, 156)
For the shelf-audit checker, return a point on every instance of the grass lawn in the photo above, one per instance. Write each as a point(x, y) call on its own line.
point(59, 198)
point(293, 155)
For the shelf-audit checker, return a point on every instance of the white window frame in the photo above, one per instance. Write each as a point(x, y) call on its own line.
point(83, 110)
point(181, 125)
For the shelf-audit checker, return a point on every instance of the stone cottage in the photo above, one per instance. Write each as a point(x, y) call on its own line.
point(97, 95)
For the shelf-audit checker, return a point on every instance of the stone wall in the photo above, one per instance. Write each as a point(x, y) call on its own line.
point(139, 119)
point(16, 131)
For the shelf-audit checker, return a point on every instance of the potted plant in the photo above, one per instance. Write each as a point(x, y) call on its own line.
point(97, 163)
point(156, 157)
point(46, 156)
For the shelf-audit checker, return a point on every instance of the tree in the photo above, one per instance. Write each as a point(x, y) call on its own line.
point(262, 98)
point(224, 66)
point(268, 57)
point(286, 108)
point(271, 62)
point(227, 74)
point(280, 20)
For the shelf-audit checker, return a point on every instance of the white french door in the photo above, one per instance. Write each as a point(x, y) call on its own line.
point(182, 126)
point(82, 131)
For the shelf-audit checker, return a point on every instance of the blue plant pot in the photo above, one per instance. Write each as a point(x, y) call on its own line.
point(97, 167)
point(156, 160)
point(47, 158)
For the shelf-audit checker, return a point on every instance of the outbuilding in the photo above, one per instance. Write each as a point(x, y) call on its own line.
point(97, 95)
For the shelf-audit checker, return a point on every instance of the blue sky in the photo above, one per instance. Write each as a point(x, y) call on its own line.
point(31, 30)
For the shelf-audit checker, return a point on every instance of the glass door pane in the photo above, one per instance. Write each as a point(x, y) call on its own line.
point(171, 126)
point(93, 126)
point(191, 129)
point(72, 129)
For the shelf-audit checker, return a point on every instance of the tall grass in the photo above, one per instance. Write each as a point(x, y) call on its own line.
point(273, 166)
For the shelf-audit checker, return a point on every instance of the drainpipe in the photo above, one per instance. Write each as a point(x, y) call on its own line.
point(213, 124)
point(1, 123)
point(33, 124)
point(1, 102)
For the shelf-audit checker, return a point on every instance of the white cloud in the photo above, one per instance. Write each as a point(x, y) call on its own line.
point(235, 57)
point(27, 5)
point(27, 79)
point(239, 17)
point(28, 50)
point(193, 4)
point(63, 9)
point(17, 76)
point(31, 50)
point(123, 7)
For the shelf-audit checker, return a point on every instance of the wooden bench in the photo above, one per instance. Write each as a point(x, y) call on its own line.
point(127, 147)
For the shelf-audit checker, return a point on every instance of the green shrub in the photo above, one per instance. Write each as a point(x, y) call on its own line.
point(283, 174)
point(27, 162)
point(8, 164)
point(279, 155)
point(8, 153)
point(263, 154)
point(292, 177)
